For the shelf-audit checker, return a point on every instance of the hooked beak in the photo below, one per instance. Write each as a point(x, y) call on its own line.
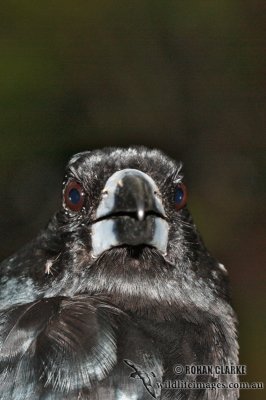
point(129, 213)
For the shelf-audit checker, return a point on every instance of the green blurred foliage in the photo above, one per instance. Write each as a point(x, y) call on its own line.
point(187, 77)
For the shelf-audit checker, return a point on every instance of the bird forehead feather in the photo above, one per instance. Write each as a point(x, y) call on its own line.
point(113, 159)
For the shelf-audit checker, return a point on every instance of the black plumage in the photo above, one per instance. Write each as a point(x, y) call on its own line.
point(118, 274)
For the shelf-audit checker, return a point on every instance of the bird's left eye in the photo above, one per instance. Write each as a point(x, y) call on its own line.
point(180, 196)
point(74, 196)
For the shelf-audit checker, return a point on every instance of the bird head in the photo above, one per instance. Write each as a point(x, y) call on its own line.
point(131, 199)
point(124, 230)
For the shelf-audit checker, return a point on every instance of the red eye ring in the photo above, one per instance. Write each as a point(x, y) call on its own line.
point(180, 196)
point(74, 196)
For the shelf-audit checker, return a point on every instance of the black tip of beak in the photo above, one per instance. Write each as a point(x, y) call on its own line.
point(135, 196)
point(140, 213)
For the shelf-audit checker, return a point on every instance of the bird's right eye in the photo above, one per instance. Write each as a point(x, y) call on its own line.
point(74, 196)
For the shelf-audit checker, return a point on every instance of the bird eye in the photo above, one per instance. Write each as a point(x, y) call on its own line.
point(180, 196)
point(74, 196)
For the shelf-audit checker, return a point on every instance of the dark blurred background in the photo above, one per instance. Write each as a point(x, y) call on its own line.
point(186, 77)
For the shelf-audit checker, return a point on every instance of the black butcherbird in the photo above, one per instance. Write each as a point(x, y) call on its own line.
point(119, 281)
